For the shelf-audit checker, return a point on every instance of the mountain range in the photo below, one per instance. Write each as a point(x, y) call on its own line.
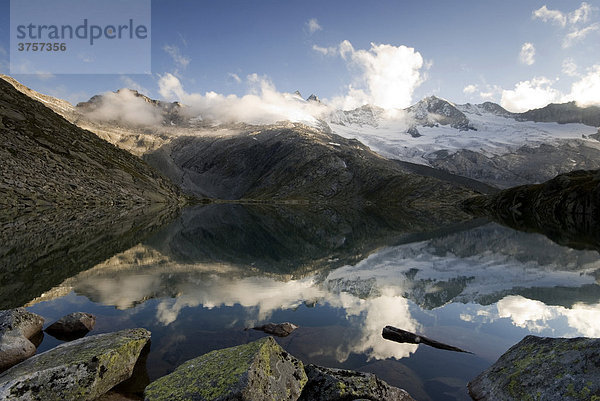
point(481, 142)
point(285, 162)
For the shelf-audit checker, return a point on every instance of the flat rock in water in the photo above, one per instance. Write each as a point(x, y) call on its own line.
point(326, 384)
point(17, 327)
point(279, 330)
point(545, 369)
point(72, 327)
point(82, 370)
point(257, 371)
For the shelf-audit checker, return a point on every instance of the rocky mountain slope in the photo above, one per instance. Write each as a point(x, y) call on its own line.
point(563, 113)
point(566, 208)
point(483, 142)
point(294, 162)
point(49, 162)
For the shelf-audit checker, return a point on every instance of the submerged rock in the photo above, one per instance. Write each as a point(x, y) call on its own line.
point(280, 329)
point(72, 327)
point(17, 327)
point(260, 370)
point(541, 368)
point(326, 384)
point(80, 370)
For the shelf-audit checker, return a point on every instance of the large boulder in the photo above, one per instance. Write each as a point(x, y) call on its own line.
point(544, 369)
point(257, 371)
point(72, 326)
point(80, 370)
point(327, 384)
point(17, 327)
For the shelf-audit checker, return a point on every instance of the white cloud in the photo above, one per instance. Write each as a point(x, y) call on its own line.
point(579, 34)
point(313, 26)
point(586, 91)
point(470, 89)
point(388, 76)
point(262, 105)
point(574, 20)
point(490, 92)
point(180, 60)
point(582, 14)
point(537, 316)
point(526, 313)
point(124, 106)
point(569, 67)
point(326, 51)
point(539, 91)
point(235, 77)
point(528, 95)
point(527, 54)
point(554, 16)
point(170, 87)
point(131, 84)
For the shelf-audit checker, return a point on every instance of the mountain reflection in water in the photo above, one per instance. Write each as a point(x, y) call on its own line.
point(342, 276)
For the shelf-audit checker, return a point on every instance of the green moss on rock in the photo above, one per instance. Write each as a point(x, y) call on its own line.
point(260, 370)
point(544, 369)
point(80, 370)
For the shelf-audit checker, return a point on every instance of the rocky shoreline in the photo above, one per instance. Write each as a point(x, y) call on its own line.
point(90, 368)
point(111, 366)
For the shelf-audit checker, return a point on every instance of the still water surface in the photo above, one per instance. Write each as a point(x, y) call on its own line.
point(214, 271)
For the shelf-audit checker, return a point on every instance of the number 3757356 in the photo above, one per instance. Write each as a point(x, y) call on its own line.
point(41, 47)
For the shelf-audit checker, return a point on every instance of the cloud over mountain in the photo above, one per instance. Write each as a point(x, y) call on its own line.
point(262, 105)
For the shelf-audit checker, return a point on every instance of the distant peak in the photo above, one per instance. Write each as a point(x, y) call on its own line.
point(313, 98)
point(434, 100)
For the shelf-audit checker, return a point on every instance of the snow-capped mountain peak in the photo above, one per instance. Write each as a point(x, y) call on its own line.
point(433, 111)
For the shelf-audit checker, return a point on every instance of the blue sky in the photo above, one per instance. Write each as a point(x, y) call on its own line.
point(469, 51)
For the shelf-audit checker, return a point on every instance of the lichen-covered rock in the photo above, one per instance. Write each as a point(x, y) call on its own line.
point(260, 370)
point(277, 329)
point(544, 369)
point(19, 321)
point(17, 327)
point(80, 370)
point(72, 326)
point(326, 384)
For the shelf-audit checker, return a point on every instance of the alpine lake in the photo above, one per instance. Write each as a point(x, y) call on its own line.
point(199, 279)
